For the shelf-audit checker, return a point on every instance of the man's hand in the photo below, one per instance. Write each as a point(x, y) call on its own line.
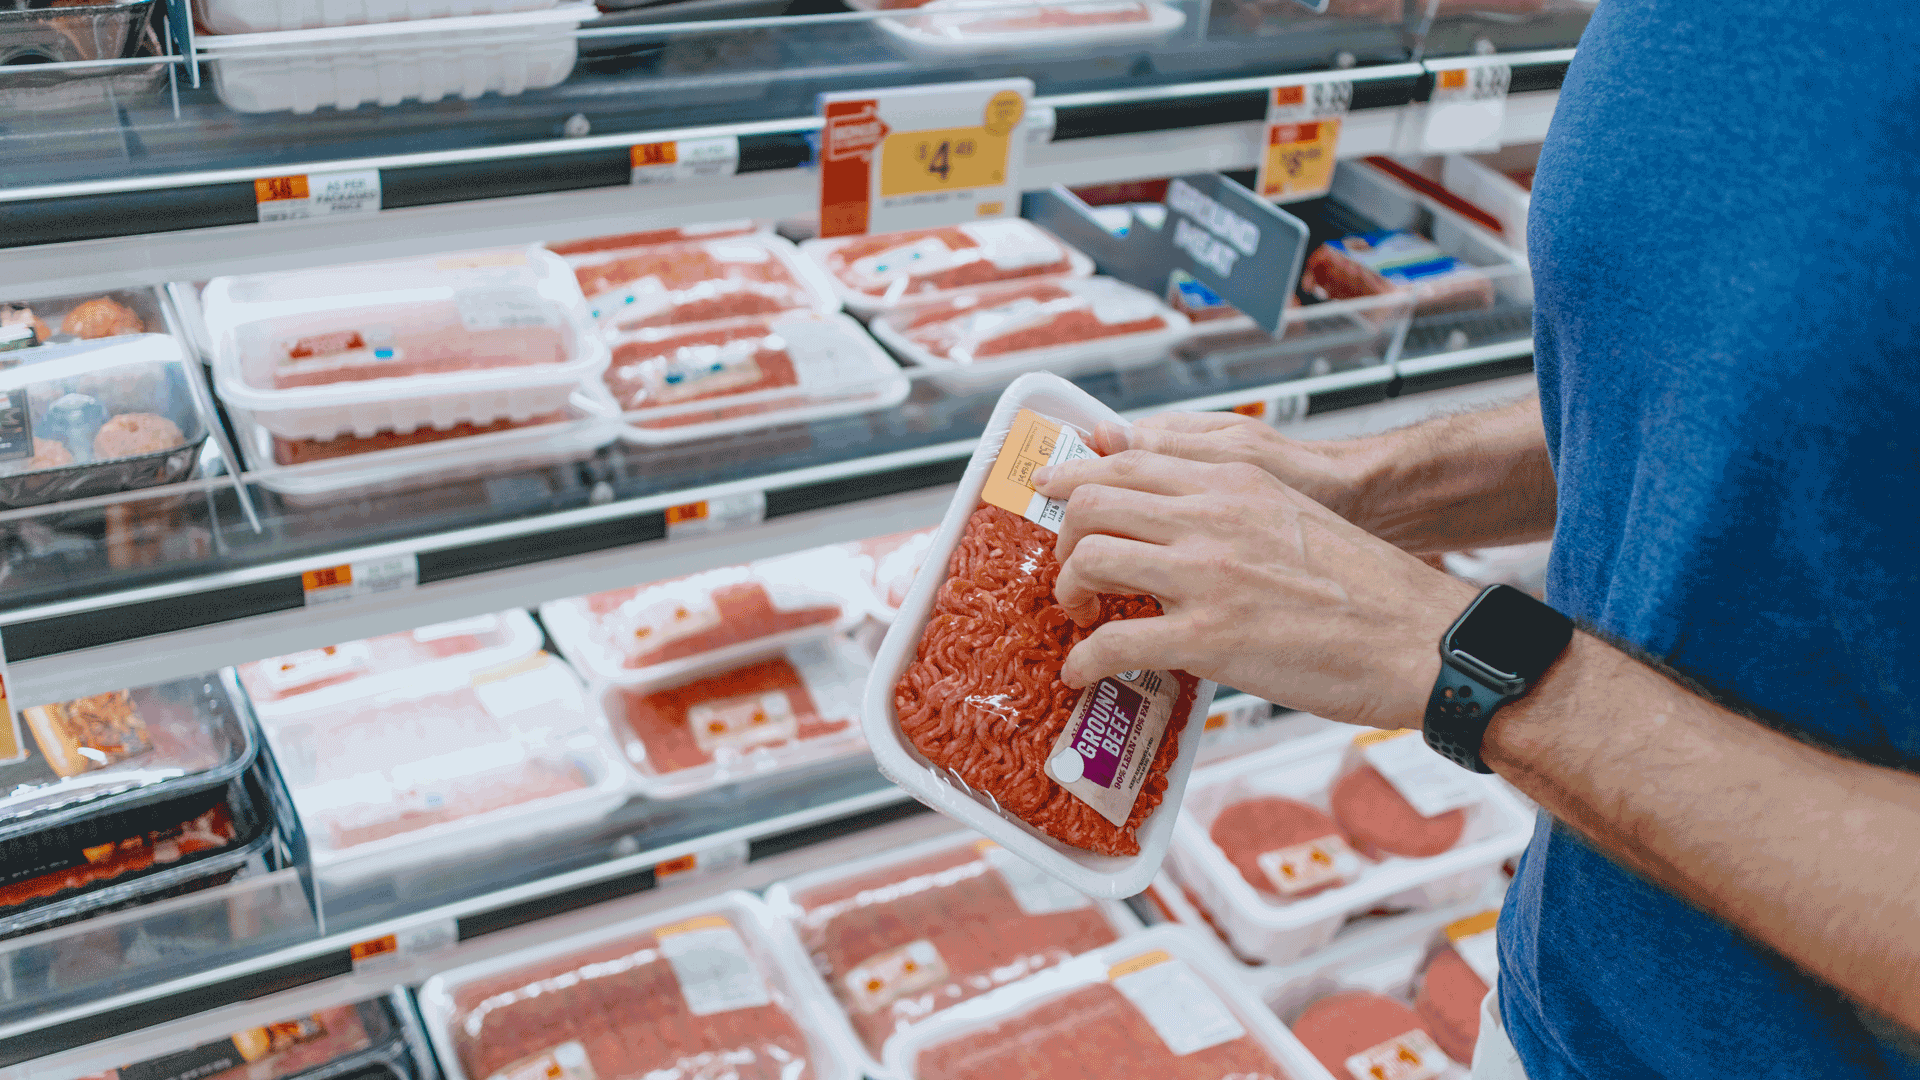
point(1263, 589)
point(1334, 474)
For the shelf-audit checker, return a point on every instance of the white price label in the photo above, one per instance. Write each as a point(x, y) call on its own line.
point(1413, 1056)
point(1431, 784)
point(413, 942)
point(717, 514)
point(680, 160)
point(922, 156)
point(357, 581)
point(711, 961)
point(1183, 1010)
point(315, 195)
point(1468, 108)
point(719, 859)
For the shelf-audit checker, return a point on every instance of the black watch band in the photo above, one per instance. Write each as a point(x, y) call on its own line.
point(1493, 654)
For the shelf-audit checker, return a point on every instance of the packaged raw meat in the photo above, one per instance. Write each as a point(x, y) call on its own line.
point(700, 281)
point(87, 317)
point(479, 642)
point(687, 382)
point(889, 564)
point(442, 762)
point(794, 708)
point(677, 235)
point(1359, 1034)
point(1372, 264)
point(901, 936)
point(1155, 1006)
point(99, 417)
point(387, 63)
point(1247, 818)
point(704, 991)
point(396, 346)
point(873, 273)
point(651, 633)
point(1381, 821)
point(143, 849)
point(1086, 784)
point(1065, 325)
point(261, 16)
point(1449, 1004)
point(957, 28)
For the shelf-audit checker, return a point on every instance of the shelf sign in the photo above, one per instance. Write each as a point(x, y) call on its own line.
point(1467, 109)
point(388, 950)
point(919, 157)
point(357, 581)
point(719, 859)
point(717, 514)
point(1302, 140)
point(676, 161)
point(315, 195)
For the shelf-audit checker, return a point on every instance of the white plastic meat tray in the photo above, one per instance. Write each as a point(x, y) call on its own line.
point(262, 16)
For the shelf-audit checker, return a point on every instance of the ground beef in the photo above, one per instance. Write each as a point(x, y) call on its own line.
point(1247, 829)
point(996, 322)
point(983, 698)
point(301, 451)
point(390, 341)
point(622, 1002)
point(953, 257)
point(1381, 822)
point(683, 284)
point(745, 611)
point(958, 902)
point(1093, 1033)
point(659, 719)
point(280, 677)
point(1338, 1026)
point(647, 238)
point(1449, 1004)
point(699, 364)
point(1049, 18)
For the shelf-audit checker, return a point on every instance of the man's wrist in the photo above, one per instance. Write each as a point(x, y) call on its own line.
point(1521, 729)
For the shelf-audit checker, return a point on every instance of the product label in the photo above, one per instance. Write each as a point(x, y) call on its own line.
point(1477, 943)
point(1302, 140)
point(828, 361)
point(716, 974)
point(1467, 109)
point(1183, 1009)
point(1304, 867)
point(1034, 890)
point(360, 580)
point(747, 720)
point(1103, 756)
point(503, 309)
point(688, 159)
point(315, 195)
point(1398, 256)
point(661, 621)
point(568, 1061)
point(298, 669)
point(714, 515)
point(211, 1059)
point(16, 426)
point(1412, 1056)
point(894, 974)
point(522, 686)
point(920, 156)
point(1430, 783)
point(1033, 441)
point(478, 626)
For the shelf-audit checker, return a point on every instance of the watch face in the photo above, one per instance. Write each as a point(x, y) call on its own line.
point(1511, 633)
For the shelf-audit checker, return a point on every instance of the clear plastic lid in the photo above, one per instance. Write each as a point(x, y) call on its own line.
point(703, 990)
point(876, 272)
point(442, 758)
point(96, 417)
point(1028, 325)
point(477, 642)
point(700, 281)
point(93, 755)
point(797, 707)
point(901, 936)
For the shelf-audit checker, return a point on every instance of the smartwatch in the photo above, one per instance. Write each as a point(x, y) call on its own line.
point(1492, 654)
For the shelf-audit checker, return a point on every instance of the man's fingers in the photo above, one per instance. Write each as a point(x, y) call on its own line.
point(1193, 421)
point(1125, 645)
point(1110, 564)
point(1134, 469)
point(1124, 512)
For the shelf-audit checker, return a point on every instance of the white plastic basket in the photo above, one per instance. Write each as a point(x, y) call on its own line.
point(787, 899)
point(977, 1018)
point(261, 16)
point(1024, 304)
point(775, 957)
point(256, 309)
point(833, 670)
point(1016, 240)
point(1097, 875)
point(387, 63)
point(949, 29)
point(1305, 769)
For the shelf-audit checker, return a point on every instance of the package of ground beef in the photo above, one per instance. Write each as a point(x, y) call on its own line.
point(902, 936)
point(700, 281)
point(477, 642)
point(1155, 1006)
point(795, 708)
point(647, 634)
point(705, 991)
point(889, 564)
point(874, 273)
point(680, 383)
point(954, 29)
point(1282, 846)
point(966, 709)
point(981, 336)
point(712, 230)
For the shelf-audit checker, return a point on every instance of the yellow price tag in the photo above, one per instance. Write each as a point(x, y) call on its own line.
point(1300, 158)
point(914, 162)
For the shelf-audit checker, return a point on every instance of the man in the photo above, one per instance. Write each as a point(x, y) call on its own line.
point(1726, 878)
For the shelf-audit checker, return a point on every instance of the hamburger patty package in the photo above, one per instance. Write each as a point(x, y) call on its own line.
point(1085, 784)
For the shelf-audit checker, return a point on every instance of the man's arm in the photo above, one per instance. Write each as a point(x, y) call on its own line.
point(1478, 479)
point(1811, 853)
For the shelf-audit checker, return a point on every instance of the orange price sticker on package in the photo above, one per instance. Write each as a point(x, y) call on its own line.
point(1308, 867)
point(919, 157)
point(1033, 441)
point(315, 195)
point(1302, 140)
point(1413, 1056)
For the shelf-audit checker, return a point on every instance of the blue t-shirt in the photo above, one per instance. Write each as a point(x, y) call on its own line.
point(1726, 247)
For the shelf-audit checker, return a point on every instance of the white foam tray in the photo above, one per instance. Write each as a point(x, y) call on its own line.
point(1497, 828)
point(387, 63)
point(1111, 876)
